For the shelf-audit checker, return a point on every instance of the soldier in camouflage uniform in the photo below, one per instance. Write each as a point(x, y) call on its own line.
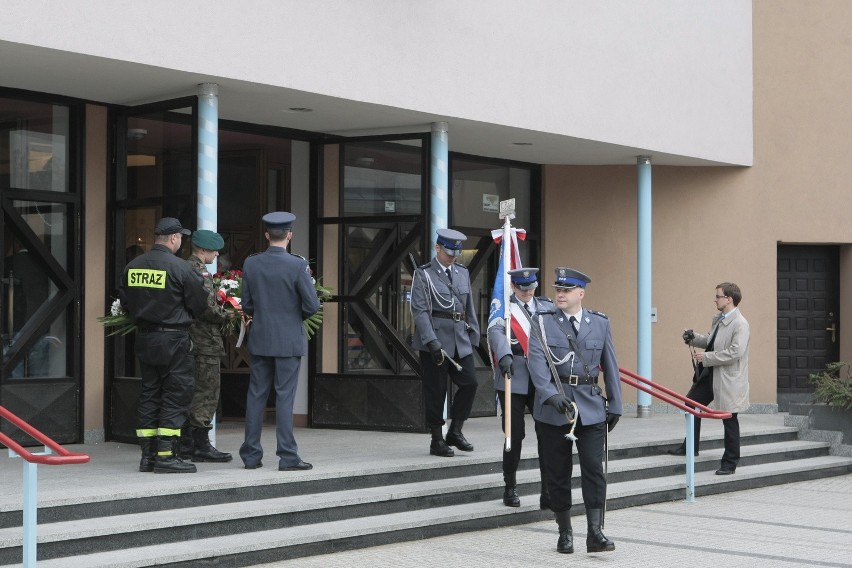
point(208, 349)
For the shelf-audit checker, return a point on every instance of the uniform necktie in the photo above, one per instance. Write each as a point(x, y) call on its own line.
point(573, 321)
point(449, 275)
point(527, 308)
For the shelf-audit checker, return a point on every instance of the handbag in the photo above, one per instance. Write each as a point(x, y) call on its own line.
point(701, 373)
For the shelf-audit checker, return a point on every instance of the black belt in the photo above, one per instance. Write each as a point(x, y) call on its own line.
point(455, 316)
point(518, 350)
point(575, 380)
point(164, 329)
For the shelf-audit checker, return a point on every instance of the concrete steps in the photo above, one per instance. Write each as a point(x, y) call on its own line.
point(253, 524)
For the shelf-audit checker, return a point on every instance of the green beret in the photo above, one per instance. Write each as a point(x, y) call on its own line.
point(208, 240)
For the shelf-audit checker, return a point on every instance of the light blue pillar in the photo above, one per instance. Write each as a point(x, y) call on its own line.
point(440, 178)
point(30, 513)
point(439, 189)
point(690, 458)
point(645, 282)
point(208, 155)
point(208, 171)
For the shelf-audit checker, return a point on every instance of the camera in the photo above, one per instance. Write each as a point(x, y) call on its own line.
point(688, 336)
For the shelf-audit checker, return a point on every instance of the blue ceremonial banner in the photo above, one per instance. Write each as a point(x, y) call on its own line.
point(501, 282)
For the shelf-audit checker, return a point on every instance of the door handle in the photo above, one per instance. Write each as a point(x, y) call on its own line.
point(833, 330)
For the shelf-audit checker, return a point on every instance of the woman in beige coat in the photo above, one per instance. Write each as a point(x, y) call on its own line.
point(728, 359)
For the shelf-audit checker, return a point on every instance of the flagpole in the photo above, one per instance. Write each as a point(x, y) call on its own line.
point(507, 213)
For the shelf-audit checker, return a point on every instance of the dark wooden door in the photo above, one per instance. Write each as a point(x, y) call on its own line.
point(808, 302)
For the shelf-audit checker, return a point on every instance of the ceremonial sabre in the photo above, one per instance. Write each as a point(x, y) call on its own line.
point(507, 213)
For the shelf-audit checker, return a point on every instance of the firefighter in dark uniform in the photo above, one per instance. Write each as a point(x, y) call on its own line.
point(445, 322)
point(512, 359)
point(208, 347)
point(578, 342)
point(162, 293)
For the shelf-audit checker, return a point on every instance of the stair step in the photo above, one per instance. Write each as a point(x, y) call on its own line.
point(325, 537)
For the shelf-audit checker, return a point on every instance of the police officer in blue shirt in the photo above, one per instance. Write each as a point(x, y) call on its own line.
point(578, 342)
point(445, 322)
point(512, 360)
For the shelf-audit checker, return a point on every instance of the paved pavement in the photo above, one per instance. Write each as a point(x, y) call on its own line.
point(800, 524)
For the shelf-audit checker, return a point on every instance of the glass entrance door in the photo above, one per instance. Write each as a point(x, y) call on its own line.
point(40, 285)
point(156, 176)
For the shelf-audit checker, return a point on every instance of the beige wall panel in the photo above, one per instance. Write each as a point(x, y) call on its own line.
point(716, 224)
point(94, 227)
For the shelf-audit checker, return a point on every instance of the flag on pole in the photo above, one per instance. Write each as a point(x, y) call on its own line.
point(502, 287)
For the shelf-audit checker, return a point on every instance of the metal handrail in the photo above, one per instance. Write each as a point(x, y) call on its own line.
point(704, 411)
point(671, 397)
point(30, 479)
point(64, 456)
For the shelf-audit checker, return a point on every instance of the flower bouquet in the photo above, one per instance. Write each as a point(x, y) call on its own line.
point(229, 290)
point(118, 320)
point(313, 323)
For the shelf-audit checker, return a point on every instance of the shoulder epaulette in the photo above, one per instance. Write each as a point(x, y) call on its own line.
point(300, 256)
point(457, 265)
point(548, 308)
point(424, 266)
point(544, 299)
point(601, 314)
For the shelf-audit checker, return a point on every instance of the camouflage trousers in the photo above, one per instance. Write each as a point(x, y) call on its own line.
point(205, 400)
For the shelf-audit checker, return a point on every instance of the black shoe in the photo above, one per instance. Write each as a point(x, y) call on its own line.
point(254, 465)
point(510, 497)
point(679, 451)
point(301, 466)
point(456, 438)
point(724, 471)
point(440, 448)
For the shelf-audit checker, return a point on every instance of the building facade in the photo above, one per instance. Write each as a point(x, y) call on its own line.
point(337, 112)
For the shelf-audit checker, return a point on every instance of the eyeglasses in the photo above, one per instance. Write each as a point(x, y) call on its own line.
point(718, 297)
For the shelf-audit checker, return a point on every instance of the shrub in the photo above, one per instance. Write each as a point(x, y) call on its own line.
point(834, 385)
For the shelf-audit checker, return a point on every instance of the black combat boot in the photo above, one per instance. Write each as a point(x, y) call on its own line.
point(510, 496)
point(456, 438)
point(166, 460)
point(439, 447)
point(204, 450)
point(185, 446)
point(147, 462)
point(595, 539)
point(565, 544)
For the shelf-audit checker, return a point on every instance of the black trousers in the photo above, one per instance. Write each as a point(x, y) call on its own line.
point(435, 388)
point(512, 458)
point(558, 464)
point(731, 456)
point(168, 379)
point(702, 393)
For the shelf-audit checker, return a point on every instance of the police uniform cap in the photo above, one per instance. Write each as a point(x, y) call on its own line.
point(209, 240)
point(451, 239)
point(524, 278)
point(570, 278)
point(279, 220)
point(170, 226)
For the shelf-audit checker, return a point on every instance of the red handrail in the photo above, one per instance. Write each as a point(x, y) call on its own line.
point(62, 456)
point(704, 412)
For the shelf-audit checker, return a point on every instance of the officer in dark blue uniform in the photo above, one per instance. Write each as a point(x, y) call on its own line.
point(578, 344)
point(512, 359)
point(278, 293)
point(163, 294)
point(446, 325)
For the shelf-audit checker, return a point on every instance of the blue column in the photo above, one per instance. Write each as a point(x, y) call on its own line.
point(208, 155)
point(208, 172)
point(439, 192)
point(644, 279)
point(440, 179)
